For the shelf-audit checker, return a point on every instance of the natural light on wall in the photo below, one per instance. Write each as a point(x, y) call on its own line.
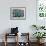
point(41, 9)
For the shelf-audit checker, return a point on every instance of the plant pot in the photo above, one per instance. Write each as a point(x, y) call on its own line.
point(40, 40)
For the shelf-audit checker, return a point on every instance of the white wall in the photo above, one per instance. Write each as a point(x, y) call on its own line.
point(24, 25)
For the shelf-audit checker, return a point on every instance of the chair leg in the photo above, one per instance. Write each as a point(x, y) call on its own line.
point(5, 43)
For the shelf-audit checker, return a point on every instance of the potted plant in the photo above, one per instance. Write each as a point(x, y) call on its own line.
point(39, 35)
point(35, 26)
point(42, 27)
point(38, 27)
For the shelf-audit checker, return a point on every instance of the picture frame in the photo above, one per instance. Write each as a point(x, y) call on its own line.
point(17, 13)
point(41, 13)
point(41, 9)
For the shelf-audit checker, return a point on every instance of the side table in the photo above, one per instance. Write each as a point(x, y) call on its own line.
point(8, 34)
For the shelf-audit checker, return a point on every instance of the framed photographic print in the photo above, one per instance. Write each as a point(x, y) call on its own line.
point(41, 12)
point(17, 13)
point(41, 8)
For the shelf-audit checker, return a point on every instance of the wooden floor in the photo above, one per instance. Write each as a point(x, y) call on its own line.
point(13, 44)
